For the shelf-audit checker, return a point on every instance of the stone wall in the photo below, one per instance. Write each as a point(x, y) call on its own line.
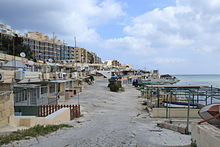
point(6, 107)
point(6, 87)
point(8, 76)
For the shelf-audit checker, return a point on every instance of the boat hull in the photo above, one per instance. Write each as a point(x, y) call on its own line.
point(179, 104)
point(210, 111)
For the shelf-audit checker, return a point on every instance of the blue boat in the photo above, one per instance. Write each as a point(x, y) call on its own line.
point(179, 104)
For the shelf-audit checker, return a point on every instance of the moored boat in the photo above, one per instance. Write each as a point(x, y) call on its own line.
point(179, 104)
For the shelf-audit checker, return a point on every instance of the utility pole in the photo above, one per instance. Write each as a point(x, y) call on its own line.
point(53, 46)
point(1, 44)
point(13, 46)
point(75, 40)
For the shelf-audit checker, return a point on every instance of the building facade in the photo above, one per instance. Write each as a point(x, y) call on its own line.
point(6, 29)
point(51, 49)
point(80, 55)
point(114, 63)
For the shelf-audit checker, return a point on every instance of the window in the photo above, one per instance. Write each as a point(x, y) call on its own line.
point(52, 88)
point(44, 90)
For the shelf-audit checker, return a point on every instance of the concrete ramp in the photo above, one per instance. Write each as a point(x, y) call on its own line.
point(106, 74)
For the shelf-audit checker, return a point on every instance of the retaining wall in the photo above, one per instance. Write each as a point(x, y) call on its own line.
point(61, 115)
point(205, 135)
point(174, 112)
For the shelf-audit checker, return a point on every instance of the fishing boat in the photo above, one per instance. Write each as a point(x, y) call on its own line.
point(179, 104)
point(210, 114)
point(156, 79)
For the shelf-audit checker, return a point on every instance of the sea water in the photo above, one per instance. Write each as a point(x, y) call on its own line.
point(206, 80)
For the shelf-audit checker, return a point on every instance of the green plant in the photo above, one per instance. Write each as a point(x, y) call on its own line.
point(114, 87)
point(144, 103)
point(14, 46)
point(31, 132)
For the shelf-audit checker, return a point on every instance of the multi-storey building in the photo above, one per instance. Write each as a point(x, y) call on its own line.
point(91, 57)
point(45, 48)
point(6, 29)
point(80, 55)
point(42, 47)
point(96, 59)
point(66, 53)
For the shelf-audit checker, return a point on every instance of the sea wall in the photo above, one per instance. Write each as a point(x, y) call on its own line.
point(205, 135)
point(174, 112)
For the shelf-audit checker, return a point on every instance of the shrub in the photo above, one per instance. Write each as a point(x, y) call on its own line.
point(114, 87)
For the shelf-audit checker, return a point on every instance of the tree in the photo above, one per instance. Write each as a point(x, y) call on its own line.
point(19, 46)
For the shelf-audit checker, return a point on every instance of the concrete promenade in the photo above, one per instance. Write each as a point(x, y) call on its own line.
point(109, 120)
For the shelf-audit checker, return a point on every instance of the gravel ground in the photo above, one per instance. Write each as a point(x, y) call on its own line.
point(109, 120)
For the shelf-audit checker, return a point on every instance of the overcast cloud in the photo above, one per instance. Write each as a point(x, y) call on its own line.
point(182, 38)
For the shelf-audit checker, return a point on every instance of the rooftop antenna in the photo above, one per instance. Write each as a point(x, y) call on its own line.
point(75, 40)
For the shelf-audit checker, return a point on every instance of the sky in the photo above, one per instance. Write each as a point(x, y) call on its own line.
point(173, 36)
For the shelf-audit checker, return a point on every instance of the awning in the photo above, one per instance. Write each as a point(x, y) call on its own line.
point(59, 81)
point(26, 86)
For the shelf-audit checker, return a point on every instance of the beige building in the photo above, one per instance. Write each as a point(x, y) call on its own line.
point(97, 60)
point(80, 55)
point(43, 37)
point(114, 63)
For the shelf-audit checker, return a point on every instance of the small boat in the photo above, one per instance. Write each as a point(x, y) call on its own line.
point(211, 114)
point(179, 104)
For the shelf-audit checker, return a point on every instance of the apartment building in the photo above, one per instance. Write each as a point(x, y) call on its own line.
point(51, 49)
point(6, 29)
point(91, 57)
point(67, 53)
point(96, 59)
point(80, 55)
point(42, 47)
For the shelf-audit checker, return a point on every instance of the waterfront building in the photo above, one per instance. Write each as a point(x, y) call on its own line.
point(80, 55)
point(6, 29)
point(43, 48)
point(96, 59)
point(90, 57)
point(67, 53)
point(51, 49)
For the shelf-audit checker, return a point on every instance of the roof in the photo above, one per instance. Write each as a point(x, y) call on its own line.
point(26, 86)
point(59, 81)
point(16, 63)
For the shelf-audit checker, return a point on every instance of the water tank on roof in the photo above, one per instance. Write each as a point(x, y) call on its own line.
point(19, 75)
